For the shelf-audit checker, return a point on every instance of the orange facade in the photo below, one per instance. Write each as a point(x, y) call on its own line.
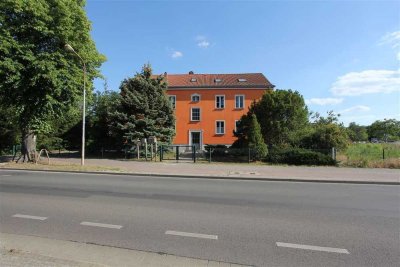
point(208, 116)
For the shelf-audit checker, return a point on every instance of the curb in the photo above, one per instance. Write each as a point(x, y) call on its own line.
point(299, 180)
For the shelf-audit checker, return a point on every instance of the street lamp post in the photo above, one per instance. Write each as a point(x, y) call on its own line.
point(69, 48)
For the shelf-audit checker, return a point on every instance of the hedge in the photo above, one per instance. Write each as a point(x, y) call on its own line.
point(298, 156)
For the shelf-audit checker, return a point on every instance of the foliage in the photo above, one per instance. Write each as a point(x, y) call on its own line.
point(298, 156)
point(371, 155)
point(255, 138)
point(357, 132)
point(388, 129)
point(326, 133)
point(99, 121)
point(9, 132)
point(38, 78)
point(282, 114)
point(144, 108)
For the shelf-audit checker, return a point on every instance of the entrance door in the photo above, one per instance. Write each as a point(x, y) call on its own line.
point(196, 139)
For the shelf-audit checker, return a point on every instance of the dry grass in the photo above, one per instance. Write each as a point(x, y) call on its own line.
point(363, 163)
point(59, 167)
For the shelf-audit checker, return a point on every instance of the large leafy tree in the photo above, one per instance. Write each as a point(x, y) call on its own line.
point(388, 129)
point(326, 132)
point(100, 119)
point(282, 115)
point(357, 132)
point(38, 78)
point(144, 108)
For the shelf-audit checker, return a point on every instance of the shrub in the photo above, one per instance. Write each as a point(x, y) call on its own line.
point(298, 156)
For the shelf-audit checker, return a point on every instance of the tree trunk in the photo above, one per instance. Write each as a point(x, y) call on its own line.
point(28, 147)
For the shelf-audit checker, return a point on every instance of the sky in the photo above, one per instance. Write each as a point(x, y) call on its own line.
point(340, 55)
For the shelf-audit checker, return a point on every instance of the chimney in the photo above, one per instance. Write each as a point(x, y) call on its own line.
point(191, 72)
point(165, 74)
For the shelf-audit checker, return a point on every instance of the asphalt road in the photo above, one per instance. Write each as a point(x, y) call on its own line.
point(247, 222)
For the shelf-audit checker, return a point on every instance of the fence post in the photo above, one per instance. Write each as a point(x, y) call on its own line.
point(194, 154)
point(177, 153)
point(333, 153)
point(209, 159)
point(161, 153)
point(249, 155)
point(383, 153)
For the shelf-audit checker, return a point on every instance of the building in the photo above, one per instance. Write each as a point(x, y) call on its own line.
point(208, 106)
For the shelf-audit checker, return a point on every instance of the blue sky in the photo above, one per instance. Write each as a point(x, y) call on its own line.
point(340, 55)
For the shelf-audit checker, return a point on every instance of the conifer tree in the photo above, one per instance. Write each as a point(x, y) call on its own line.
point(249, 135)
point(255, 138)
point(144, 108)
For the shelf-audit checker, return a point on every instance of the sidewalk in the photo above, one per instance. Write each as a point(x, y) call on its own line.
point(19, 250)
point(246, 171)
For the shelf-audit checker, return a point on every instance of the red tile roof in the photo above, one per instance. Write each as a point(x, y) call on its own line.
point(252, 80)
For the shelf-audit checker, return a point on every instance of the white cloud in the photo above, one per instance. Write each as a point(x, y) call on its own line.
point(392, 39)
point(203, 44)
point(177, 54)
point(202, 41)
point(324, 101)
point(355, 109)
point(398, 56)
point(367, 82)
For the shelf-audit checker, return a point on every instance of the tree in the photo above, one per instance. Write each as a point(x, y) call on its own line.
point(326, 133)
point(144, 108)
point(38, 78)
point(249, 135)
point(9, 132)
point(282, 115)
point(357, 132)
point(255, 138)
point(387, 129)
point(100, 120)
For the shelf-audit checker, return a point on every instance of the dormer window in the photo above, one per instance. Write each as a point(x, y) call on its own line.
point(195, 98)
point(218, 80)
point(193, 80)
point(241, 80)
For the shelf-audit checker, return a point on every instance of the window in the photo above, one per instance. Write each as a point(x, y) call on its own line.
point(220, 127)
point(172, 100)
point(239, 101)
point(236, 125)
point(195, 114)
point(218, 80)
point(193, 80)
point(241, 80)
point(219, 101)
point(195, 98)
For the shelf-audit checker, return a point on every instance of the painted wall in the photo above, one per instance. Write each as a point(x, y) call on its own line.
point(210, 114)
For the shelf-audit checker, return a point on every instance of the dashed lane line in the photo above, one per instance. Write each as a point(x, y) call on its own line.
point(104, 225)
point(24, 216)
point(316, 248)
point(186, 234)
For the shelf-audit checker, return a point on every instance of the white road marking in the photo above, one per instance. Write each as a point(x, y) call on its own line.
point(5, 175)
point(29, 217)
point(215, 237)
point(113, 226)
point(307, 247)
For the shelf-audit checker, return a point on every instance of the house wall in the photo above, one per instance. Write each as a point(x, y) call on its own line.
point(209, 114)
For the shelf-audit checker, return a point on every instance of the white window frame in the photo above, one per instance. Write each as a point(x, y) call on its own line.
point(169, 99)
point(191, 113)
point(216, 127)
point(216, 96)
point(191, 98)
point(236, 106)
